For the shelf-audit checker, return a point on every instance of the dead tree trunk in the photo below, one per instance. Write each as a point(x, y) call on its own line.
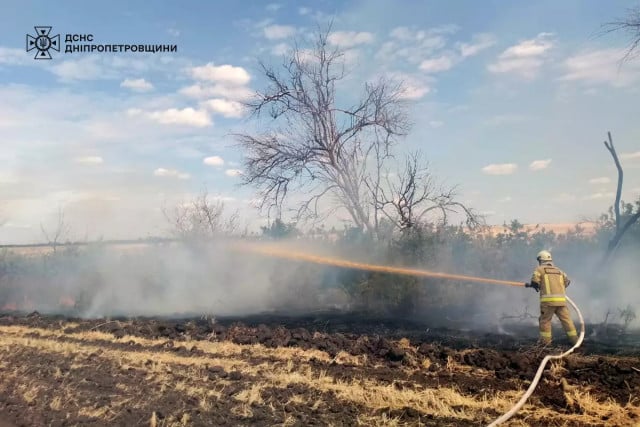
point(621, 226)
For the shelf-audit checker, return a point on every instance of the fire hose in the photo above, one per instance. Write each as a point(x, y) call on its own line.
point(538, 375)
point(272, 250)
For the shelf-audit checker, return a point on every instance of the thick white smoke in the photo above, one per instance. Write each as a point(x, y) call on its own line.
point(217, 279)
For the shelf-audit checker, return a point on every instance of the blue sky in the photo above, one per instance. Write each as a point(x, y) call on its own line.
point(510, 101)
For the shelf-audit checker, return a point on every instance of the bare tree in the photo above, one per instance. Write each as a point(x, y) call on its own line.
point(321, 149)
point(621, 224)
point(629, 24)
point(200, 218)
point(414, 194)
point(59, 232)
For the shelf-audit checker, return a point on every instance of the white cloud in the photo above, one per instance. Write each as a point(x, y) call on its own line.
point(229, 109)
point(597, 196)
point(529, 48)
point(435, 65)
point(537, 165)
point(413, 86)
point(173, 116)
point(226, 74)
point(92, 124)
point(307, 56)
point(601, 180)
point(505, 199)
point(273, 7)
point(444, 29)
point(86, 68)
point(630, 156)
point(139, 85)
point(132, 112)
point(436, 124)
point(500, 169)
point(414, 46)
point(95, 67)
point(410, 45)
point(525, 58)
point(90, 160)
point(479, 42)
point(233, 172)
point(304, 11)
point(406, 34)
point(213, 161)
point(402, 33)
point(276, 32)
point(236, 93)
point(348, 39)
point(225, 83)
point(601, 67)
point(105, 67)
point(11, 56)
point(564, 197)
point(171, 173)
point(280, 49)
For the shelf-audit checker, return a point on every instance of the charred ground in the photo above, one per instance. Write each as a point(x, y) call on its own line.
point(317, 369)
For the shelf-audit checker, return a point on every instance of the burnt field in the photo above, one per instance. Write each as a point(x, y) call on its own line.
point(314, 369)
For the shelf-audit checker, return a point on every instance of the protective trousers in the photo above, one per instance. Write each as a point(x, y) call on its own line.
point(546, 315)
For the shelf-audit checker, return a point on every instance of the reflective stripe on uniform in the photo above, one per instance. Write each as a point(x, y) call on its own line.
point(546, 284)
point(553, 299)
point(545, 334)
point(572, 333)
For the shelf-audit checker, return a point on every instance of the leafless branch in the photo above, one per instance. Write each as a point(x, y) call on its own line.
point(629, 24)
point(612, 151)
point(60, 231)
point(414, 195)
point(621, 226)
point(319, 147)
point(200, 218)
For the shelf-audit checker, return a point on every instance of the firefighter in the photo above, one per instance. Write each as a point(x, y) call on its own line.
point(551, 282)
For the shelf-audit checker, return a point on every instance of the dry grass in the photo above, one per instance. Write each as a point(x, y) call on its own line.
point(187, 375)
point(252, 395)
point(219, 348)
point(29, 393)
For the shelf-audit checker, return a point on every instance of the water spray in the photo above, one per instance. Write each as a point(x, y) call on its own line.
point(292, 254)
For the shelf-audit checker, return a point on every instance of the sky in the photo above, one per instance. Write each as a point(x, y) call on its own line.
point(510, 102)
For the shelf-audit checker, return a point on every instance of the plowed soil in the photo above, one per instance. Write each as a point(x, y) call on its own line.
point(325, 369)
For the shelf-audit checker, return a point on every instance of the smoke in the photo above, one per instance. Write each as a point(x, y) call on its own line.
point(596, 288)
point(177, 279)
point(220, 279)
point(165, 280)
point(609, 289)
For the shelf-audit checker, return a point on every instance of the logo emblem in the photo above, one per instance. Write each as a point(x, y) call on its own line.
point(42, 42)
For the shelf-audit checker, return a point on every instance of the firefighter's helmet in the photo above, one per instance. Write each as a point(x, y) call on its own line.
point(544, 256)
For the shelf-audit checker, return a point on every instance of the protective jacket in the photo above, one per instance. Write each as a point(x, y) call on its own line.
point(552, 282)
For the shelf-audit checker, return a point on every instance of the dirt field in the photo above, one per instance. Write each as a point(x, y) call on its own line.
point(316, 370)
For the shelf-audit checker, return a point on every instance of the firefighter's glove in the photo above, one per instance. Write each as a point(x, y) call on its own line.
point(535, 286)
